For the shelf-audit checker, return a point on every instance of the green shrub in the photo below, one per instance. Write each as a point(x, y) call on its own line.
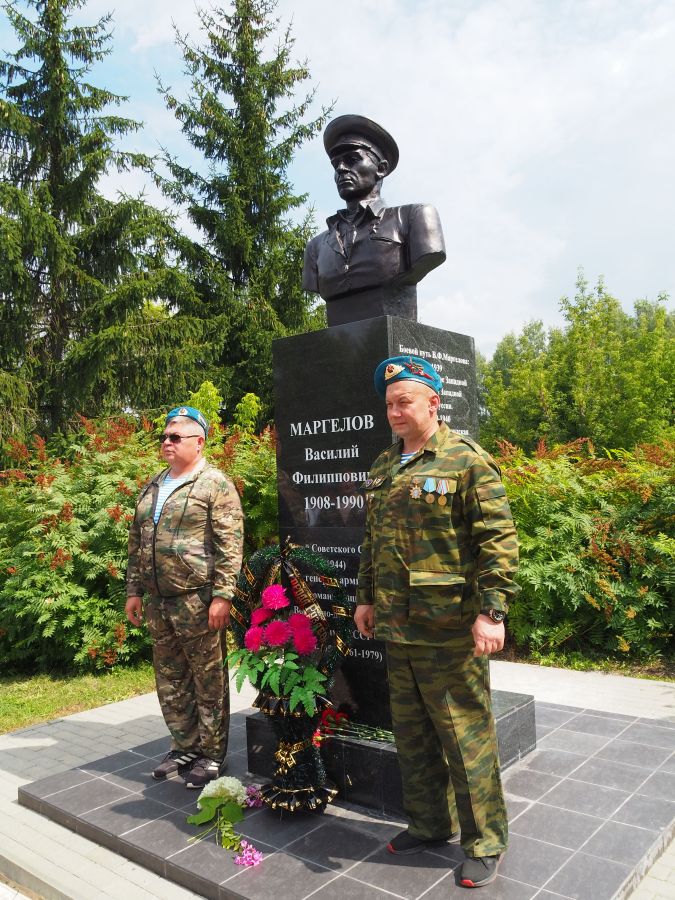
point(63, 536)
point(64, 517)
point(597, 565)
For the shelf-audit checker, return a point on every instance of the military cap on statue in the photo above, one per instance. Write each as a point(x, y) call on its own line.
point(358, 131)
point(406, 368)
point(189, 412)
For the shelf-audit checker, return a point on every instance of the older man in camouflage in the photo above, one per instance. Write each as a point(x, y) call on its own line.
point(436, 577)
point(185, 547)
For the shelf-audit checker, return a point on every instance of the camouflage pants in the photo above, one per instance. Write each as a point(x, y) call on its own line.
point(191, 673)
point(447, 744)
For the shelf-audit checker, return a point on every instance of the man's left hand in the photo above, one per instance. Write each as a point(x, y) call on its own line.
point(488, 636)
point(219, 613)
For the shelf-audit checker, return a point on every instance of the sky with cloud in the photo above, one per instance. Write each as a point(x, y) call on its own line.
point(542, 130)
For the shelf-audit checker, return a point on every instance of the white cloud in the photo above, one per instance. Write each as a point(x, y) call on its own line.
point(542, 131)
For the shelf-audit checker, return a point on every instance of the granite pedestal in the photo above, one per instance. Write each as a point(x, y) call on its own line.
point(367, 773)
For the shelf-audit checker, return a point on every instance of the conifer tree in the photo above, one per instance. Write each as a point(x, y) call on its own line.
point(241, 117)
point(80, 275)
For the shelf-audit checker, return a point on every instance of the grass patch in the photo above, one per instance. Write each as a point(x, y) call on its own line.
point(28, 699)
point(656, 669)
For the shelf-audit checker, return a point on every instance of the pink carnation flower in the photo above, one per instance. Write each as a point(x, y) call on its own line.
point(253, 638)
point(277, 633)
point(261, 615)
point(274, 597)
point(299, 621)
point(304, 641)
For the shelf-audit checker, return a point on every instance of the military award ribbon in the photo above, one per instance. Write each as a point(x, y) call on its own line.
point(430, 487)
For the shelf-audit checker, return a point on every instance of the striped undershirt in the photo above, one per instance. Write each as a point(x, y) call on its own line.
point(169, 484)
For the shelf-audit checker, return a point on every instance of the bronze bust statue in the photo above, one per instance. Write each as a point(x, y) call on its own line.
point(369, 260)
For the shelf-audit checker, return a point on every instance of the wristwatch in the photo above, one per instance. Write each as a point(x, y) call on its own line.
point(495, 614)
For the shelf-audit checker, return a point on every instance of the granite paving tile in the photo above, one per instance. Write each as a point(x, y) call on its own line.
point(572, 742)
point(553, 717)
point(532, 862)
point(337, 847)
point(154, 748)
point(277, 828)
point(610, 774)
point(345, 888)
point(562, 827)
point(592, 799)
point(646, 812)
point(603, 714)
point(161, 837)
point(61, 781)
point(651, 735)
point(634, 754)
point(408, 876)
point(126, 813)
point(587, 878)
point(660, 784)
point(81, 798)
point(501, 889)
point(515, 806)
point(553, 762)
point(528, 784)
point(669, 764)
point(597, 725)
point(262, 882)
point(171, 791)
point(109, 764)
point(663, 723)
point(621, 843)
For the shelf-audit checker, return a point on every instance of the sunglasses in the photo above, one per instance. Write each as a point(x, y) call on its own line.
point(176, 438)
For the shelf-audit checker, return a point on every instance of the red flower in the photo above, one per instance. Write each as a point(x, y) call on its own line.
point(304, 641)
point(253, 638)
point(277, 633)
point(300, 622)
point(115, 512)
point(274, 597)
point(261, 615)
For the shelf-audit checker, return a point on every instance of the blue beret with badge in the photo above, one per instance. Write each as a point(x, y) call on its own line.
point(189, 412)
point(406, 368)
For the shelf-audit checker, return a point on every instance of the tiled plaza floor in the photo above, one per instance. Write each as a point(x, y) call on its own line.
point(589, 810)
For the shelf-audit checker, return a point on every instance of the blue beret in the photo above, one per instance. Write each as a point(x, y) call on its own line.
point(190, 413)
point(406, 368)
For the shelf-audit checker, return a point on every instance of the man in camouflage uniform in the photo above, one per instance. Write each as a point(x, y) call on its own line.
point(436, 576)
point(185, 548)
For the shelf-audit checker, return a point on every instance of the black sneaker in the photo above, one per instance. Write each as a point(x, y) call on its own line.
point(478, 871)
point(204, 770)
point(404, 844)
point(174, 761)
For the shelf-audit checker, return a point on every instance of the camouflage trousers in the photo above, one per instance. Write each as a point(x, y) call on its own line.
point(447, 744)
point(190, 673)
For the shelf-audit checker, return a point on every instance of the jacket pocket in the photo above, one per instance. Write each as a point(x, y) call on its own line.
point(494, 506)
point(436, 599)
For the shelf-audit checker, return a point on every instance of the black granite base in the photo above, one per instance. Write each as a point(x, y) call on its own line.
point(366, 772)
point(589, 811)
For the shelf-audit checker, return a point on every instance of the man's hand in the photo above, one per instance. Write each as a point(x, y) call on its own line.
point(134, 610)
point(488, 636)
point(364, 617)
point(219, 613)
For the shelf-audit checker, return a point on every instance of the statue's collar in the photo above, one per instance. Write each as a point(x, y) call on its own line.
point(371, 210)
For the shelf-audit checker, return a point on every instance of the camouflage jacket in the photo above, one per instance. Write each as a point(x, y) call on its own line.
point(197, 542)
point(440, 543)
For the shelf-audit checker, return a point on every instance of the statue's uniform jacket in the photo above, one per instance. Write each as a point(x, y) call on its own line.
point(191, 555)
point(429, 568)
point(396, 243)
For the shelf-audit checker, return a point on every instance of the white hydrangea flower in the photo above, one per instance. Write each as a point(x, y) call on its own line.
point(226, 787)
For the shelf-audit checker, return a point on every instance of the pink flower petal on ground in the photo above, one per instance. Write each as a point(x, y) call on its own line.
point(274, 597)
point(261, 615)
point(277, 633)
